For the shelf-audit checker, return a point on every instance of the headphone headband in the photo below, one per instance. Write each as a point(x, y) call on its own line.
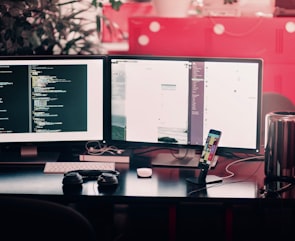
point(92, 174)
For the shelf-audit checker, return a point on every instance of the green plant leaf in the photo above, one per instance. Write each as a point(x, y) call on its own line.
point(116, 4)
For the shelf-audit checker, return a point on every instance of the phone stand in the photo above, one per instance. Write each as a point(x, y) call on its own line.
point(203, 178)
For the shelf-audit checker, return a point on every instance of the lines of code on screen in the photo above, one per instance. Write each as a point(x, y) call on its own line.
point(43, 98)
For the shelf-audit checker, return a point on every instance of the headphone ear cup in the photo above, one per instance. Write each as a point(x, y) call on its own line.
point(107, 182)
point(72, 183)
point(72, 178)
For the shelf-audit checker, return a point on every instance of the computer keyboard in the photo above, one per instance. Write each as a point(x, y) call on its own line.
point(63, 167)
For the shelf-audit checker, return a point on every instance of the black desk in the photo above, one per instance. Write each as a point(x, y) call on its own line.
point(165, 184)
point(161, 207)
point(161, 204)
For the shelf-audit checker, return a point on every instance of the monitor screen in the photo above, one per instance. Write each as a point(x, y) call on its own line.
point(51, 99)
point(175, 101)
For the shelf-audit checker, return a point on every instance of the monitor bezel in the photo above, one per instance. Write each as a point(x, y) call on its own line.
point(55, 143)
point(222, 150)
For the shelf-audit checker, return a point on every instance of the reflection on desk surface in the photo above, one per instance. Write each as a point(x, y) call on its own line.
point(232, 189)
point(165, 182)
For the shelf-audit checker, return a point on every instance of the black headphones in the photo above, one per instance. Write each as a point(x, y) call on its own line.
point(107, 180)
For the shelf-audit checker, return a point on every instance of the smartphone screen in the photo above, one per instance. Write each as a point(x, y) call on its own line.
point(210, 147)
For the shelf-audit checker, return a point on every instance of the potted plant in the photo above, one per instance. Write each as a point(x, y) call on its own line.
point(177, 8)
point(51, 26)
point(171, 8)
point(221, 8)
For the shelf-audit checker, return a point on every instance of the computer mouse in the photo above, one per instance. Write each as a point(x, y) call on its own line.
point(144, 172)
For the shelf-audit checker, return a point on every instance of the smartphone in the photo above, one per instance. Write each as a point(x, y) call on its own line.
point(210, 148)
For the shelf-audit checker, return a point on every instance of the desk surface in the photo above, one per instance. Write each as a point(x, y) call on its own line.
point(163, 203)
point(165, 183)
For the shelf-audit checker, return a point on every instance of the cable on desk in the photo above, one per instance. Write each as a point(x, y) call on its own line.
point(202, 188)
point(97, 148)
point(268, 192)
point(231, 174)
point(276, 193)
point(265, 193)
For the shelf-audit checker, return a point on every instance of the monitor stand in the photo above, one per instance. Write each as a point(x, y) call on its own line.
point(28, 155)
point(184, 158)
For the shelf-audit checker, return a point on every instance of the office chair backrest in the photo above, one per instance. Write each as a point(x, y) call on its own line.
point(31, 219)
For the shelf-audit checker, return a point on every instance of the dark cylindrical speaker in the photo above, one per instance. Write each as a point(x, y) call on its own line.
point(280, 144)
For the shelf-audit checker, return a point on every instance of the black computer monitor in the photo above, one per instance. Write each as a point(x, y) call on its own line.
point(49, 100)
point(167, 101)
